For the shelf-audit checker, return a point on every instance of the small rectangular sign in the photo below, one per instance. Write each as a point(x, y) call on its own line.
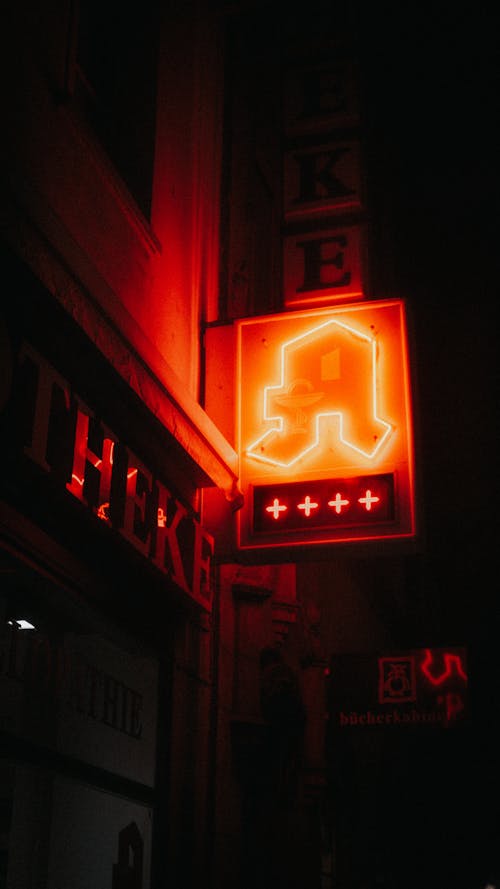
point(329, 503)
point(421, 687)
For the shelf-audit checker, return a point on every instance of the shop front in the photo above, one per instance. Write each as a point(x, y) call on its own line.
point(103, 562)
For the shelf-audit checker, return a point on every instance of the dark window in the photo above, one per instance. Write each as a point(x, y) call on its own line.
point(116, 83)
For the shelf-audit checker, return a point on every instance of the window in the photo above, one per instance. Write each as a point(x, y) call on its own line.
point(116, 84)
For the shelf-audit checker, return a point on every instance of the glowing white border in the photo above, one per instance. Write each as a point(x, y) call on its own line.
point(339, 414)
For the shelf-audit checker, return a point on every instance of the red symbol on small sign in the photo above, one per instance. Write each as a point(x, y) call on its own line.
point(396, 679)
point(452, 664)
point(453, 704)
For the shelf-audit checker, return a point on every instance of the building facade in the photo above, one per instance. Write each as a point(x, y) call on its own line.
point(163, 694)
point(110, 247)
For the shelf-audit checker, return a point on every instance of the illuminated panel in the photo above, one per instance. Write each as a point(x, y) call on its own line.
point(336, 503)
point(323, 417)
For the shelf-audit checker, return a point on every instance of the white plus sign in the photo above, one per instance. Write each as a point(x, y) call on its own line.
point(308, 505)
point(368, 499)
point(338, 503)
point(276, 509)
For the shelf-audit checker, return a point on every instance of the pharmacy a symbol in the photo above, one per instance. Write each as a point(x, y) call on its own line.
point(327, 384)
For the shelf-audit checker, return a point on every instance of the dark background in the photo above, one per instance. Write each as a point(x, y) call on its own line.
point(430, 105)
point(430, 113)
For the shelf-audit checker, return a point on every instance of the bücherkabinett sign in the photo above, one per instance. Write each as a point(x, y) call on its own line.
point(419, 687)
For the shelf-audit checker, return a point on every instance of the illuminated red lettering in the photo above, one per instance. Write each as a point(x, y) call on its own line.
point(452, 663)
point(48, 378)
point(82, 454)
point(166, 535)
point(138, 487)
point(93, 483)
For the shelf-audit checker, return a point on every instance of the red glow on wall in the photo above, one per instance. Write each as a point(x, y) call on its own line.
point(324, 426)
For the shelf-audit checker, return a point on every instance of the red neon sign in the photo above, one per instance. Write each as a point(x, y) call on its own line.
point(308, 506)
point(324, 426)
point(438, 675)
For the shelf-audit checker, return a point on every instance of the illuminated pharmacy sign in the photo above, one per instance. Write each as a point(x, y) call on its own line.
point(324, 426)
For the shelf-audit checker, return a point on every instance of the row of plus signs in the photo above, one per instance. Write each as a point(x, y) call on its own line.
point(308, 506)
